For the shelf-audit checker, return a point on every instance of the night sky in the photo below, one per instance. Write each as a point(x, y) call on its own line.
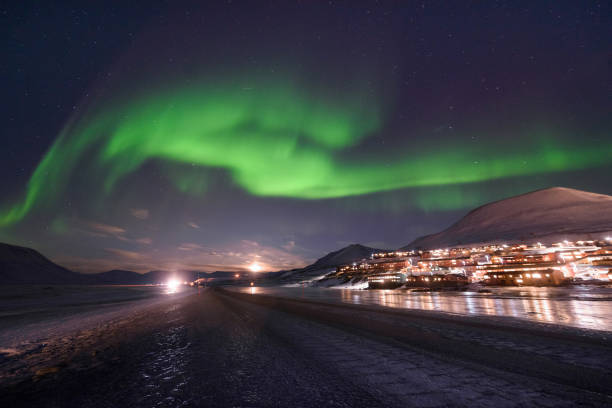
point(213, 136)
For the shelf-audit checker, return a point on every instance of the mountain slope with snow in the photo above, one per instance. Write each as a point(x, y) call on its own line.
point(547, 215)
point(327, 263)
point(21, 265)
point(345, 255)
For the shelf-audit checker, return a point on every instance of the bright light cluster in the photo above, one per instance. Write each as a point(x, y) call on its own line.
point(173, 285)
point(255, 267)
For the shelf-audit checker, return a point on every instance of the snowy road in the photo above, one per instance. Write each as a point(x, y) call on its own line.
point(218, 348)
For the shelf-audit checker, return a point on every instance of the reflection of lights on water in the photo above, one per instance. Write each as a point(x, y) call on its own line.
point(499, 310)
point(252, 289)
point(551, 305)
point(488, 305)
point(469, 302)
point(435, 302)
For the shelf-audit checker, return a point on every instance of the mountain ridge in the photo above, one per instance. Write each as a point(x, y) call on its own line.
point(546, 215)
point(23, 265)
point(343, 255)
point(323, 265)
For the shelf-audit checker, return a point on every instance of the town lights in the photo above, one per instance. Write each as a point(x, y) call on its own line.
point(504, 264)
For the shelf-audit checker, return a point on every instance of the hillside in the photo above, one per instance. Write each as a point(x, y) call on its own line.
point(20, 265)
point(547, 215)
point(323, 265)
point(345, 255)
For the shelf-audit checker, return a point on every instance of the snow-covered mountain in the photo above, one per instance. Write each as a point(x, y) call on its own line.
point(345, 255)
point(548, 215)
point(21, 265)
point(327, 263)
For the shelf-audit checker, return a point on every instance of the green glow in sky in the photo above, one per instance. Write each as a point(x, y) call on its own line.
point(276, 141)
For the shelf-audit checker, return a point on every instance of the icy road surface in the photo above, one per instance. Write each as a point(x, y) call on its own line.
point(588, 307)
point(226, 349)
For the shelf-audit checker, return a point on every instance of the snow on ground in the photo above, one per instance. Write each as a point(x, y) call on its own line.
point(307, 282)
point(30, 314)
point(337, 283)
point(225, 349)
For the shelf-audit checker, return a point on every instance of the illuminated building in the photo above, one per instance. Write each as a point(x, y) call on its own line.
point(494, 264)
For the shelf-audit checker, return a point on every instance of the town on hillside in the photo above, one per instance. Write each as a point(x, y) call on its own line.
point(493, 264)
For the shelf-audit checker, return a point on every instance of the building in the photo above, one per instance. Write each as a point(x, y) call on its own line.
point(517, 264)
point(389, 280)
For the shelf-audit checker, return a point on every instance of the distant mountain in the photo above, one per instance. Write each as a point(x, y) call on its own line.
point(548, 215)
point(119, 277)
point(163, 276)
point(20, 265)
point(159, 277)
point(351, 253)
point(345, 255)
point(218, 274)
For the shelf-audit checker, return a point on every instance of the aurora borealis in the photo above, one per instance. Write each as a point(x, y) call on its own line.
point(262, 155)
point(275, 143)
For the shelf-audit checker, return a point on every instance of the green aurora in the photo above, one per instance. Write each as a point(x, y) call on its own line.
point(279, 141)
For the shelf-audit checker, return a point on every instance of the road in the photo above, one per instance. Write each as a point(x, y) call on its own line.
point(216, 348)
